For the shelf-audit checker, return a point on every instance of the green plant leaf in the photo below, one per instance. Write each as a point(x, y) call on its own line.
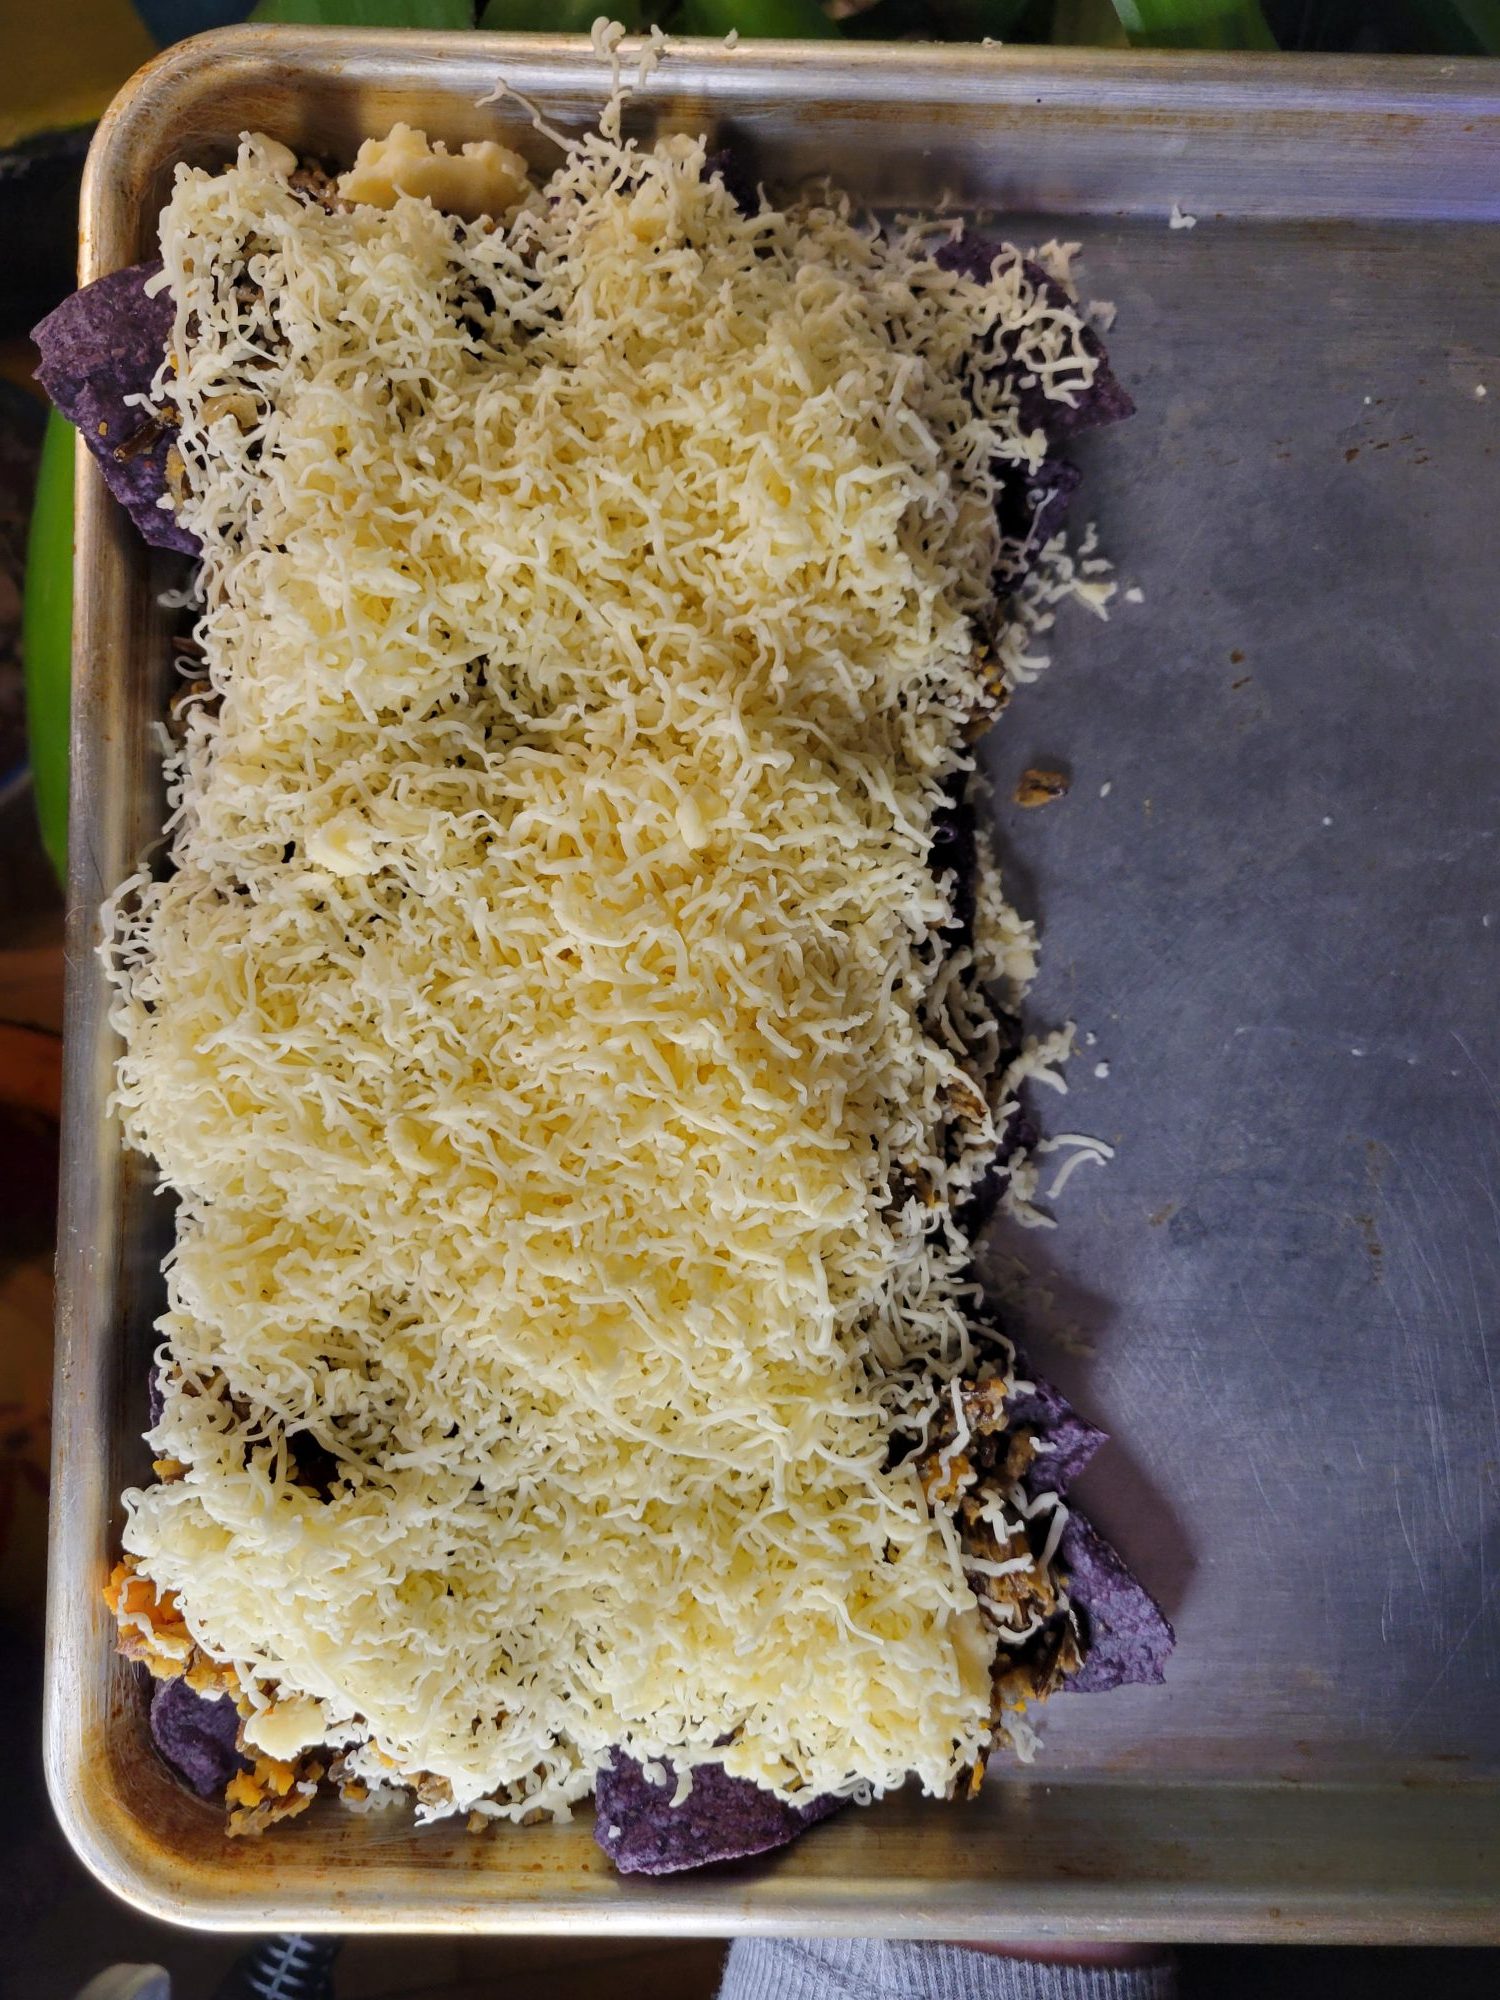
point(1464, 27)
point(556, 17)
point(47, 636)
point(1089, 24)
point(789, 20)
point(1195, 24)
point(368, 13)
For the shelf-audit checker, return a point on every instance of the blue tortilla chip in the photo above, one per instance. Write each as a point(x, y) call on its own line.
point(1104, 401)
point(1126, 1635)
point(1045, 498)
point(721, 1819)
point(1018, 1135)
point(1033, 504)
point(734, 167)
point(955, 851)
point(1068, 1440)
point(101, 346)
point(196, 1734)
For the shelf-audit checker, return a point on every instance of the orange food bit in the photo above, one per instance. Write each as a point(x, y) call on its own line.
point(242, 1790)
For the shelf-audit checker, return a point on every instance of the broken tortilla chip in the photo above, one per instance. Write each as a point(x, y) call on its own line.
point(1126, 1635)
point(721, 1819)
point(197, 1735)
point(101, 347)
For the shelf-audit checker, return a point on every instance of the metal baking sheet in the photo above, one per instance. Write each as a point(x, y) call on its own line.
point(1270, 896)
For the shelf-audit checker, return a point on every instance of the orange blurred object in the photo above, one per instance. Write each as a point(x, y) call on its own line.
point(51, 80)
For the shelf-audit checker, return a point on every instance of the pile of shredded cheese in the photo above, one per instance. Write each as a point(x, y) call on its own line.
point(548, 1022)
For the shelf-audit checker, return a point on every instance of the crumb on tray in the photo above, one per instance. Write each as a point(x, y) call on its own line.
point(1037, 787)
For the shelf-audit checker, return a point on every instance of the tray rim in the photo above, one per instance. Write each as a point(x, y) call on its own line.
point(114, 1842)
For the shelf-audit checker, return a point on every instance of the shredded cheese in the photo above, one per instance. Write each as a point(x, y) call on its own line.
point(549, 1001)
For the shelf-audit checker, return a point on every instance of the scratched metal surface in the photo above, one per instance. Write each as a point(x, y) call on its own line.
point(1282, 923)
point(1281, 1294)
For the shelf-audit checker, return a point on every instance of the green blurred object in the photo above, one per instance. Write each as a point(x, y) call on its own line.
point(791, 20)
point(1088, 24)
point(555, 17)
point(47, 636)
point(1195, 24)
point(1470, 27)
point(368, 13)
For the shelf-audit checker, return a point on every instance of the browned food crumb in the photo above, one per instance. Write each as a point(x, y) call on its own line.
point(238, 405)
point(176, 476)
point(315, 187)
point(1038, 787)
point(433, 1791)
point(271, 1790)
point(943, 1479)
point(351, 1790)
point(156, 427)
point(1040, 1677)
point(1024, 1600)
point(909, 1180)
point(208, 1676)
point(187, 695)
point(984, 1405)
point(994, 693)
point(151, 1629)
point(150, 1623)
point(965, 1100)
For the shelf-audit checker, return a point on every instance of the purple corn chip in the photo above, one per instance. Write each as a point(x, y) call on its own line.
point(1127, 1633)
point(1048, 493)
point(1103, 402)
point(970, 256)
point(196, 1734)
point(733, 166)
point(1019, 1135)
point(1031, 508)
point(101, 345)
point(1069, 1440)
point(954, 851)
point(1127, 1637)
point(721, 1819)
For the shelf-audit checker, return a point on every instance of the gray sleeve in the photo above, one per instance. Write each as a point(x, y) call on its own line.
point(882, 1969)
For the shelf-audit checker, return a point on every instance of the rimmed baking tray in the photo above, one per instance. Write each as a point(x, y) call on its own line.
point(1268, 898)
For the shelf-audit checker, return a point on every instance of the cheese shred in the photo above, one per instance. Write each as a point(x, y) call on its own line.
point(550, 1024)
